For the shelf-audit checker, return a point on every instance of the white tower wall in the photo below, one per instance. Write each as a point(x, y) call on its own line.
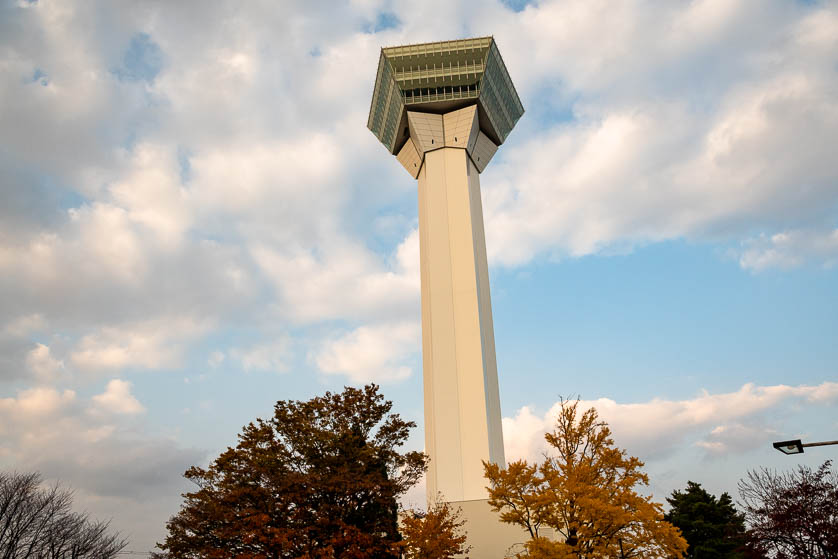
point(446, 152)
point(462, 405)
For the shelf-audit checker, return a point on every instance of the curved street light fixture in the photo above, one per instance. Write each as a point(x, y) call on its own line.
point(796, 447)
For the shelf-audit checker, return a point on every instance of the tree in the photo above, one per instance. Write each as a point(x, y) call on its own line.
point(584, 491)
point(712, 527)
point(793, 515)
point(320, 479)
point(435, 534)
point(38, 522)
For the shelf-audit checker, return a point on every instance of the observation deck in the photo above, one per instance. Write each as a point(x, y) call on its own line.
point(439, 78)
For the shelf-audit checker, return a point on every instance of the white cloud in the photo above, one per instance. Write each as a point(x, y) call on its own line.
point(684, 125)
point(372, 353)
point(658, 427)
point(789, 249)
point(98, 240)
point(40, 361)
point(239, 186)
point(274, 179)
point(151, 193)
point(736, 437)
point(36, 404)
point(215, 359)
point(153, 344)
point(344, 280)
point(105, 457)
point(117, 398)
point(654, 171)
point(103, 266)
point(24, 325)
point(76, 90)
point(265, 357)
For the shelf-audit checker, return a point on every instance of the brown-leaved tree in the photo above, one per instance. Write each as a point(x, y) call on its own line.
point(437, 533)
point(581, 501)
point(320, 479)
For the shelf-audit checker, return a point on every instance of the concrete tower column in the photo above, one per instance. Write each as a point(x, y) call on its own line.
point(462, 405)
point(443, 109)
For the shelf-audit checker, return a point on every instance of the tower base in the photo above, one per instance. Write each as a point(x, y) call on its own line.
point(488, 537)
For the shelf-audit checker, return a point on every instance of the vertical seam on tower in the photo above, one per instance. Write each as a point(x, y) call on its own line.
point(429, 365)
point(479, 292)
point(496, 455)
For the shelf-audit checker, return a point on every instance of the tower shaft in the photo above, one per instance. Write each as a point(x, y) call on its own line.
point(462, 405)
point(443, 109)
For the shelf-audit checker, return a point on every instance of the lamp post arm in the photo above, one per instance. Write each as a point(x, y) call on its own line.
point(824, 443)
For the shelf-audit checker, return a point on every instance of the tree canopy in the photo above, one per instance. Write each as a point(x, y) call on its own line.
point(793, 515)
point(581, 501)
point(320, 479)
point(437, 533)
point(712, 527)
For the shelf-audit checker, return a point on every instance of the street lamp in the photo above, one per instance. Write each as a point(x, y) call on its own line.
point(796, 447)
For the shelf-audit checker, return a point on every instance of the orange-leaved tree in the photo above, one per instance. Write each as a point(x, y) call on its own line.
point(320, 479)
point(437, 533)
point(581, 501)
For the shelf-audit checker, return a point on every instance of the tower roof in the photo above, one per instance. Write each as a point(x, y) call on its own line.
point(441, 77)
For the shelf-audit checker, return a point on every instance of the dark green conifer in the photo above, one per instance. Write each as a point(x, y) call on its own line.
point(712, 527)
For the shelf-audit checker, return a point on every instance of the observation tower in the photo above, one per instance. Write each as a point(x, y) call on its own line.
point(443, 109)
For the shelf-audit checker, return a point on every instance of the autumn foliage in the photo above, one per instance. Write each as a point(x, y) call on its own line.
point(320, 479)
point(581, 501)
point(438, 533)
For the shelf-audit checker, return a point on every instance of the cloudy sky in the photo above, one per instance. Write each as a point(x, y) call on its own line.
point(195, 222)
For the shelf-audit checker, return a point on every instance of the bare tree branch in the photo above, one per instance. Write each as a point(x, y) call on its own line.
point(793, 514)
point(39, 523)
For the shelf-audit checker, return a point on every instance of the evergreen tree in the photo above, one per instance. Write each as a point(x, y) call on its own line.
point(712, 527)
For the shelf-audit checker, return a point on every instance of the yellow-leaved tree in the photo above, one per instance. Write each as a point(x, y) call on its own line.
point(438, 533)
point(581, 502)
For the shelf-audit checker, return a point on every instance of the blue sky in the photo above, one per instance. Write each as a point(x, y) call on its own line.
point(195, 222)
